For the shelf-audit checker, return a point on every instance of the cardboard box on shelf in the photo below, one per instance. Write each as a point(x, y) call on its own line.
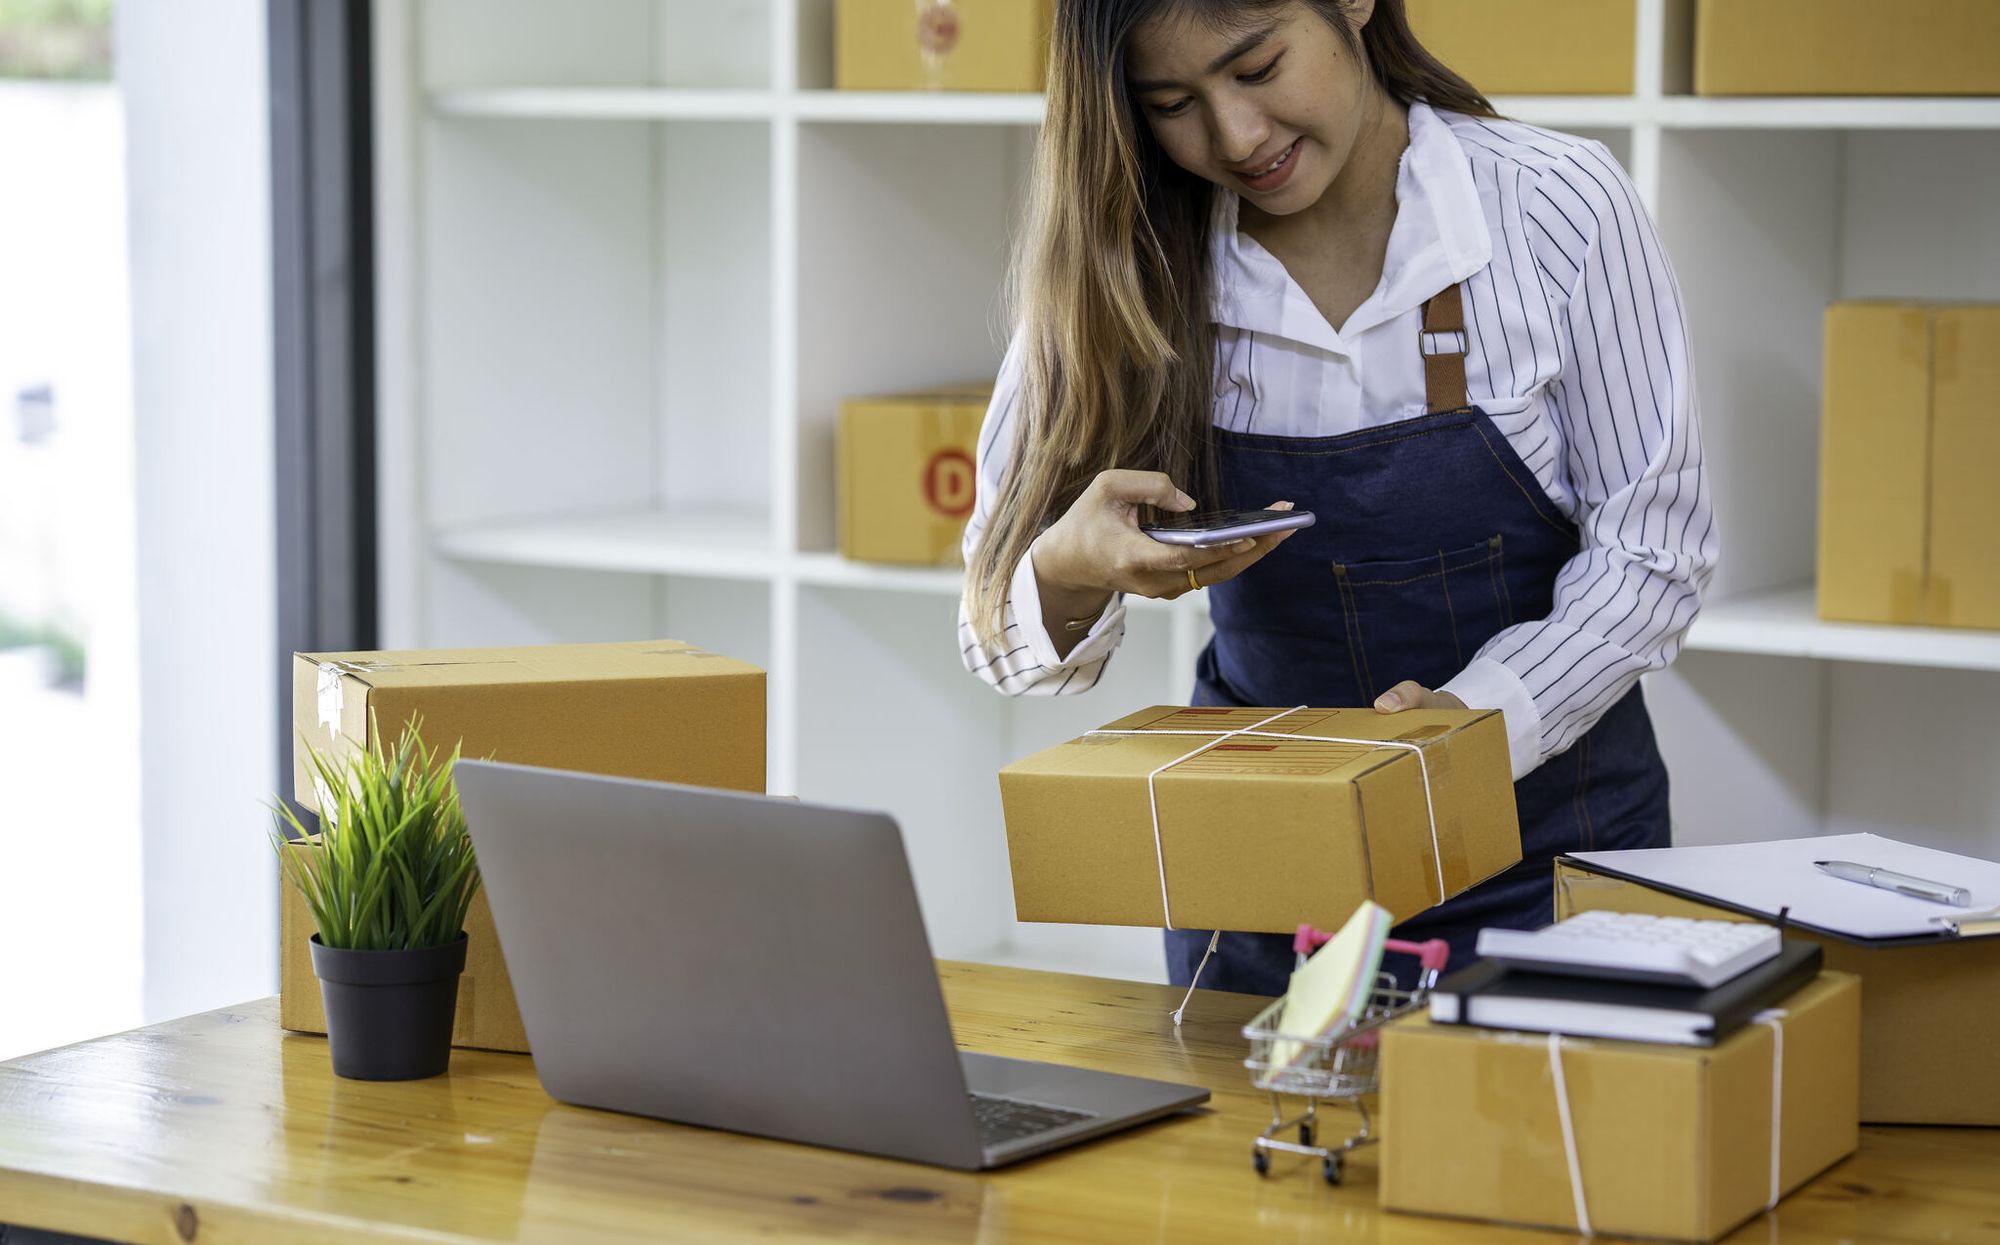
point(906, 474)
point(658, 709)
point(956, 45)
point(1674, 1142)
point(1926, 1046)
point(1846, 47)
point(1259, 832)
point(1531, 47)
point(1908, 448)
point(1963, 583)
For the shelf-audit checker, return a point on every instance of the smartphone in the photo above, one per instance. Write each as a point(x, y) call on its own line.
point(1219, 527)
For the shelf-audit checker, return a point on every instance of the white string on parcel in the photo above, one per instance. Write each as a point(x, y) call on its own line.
point(1775, 1017)
point(1569, 1135)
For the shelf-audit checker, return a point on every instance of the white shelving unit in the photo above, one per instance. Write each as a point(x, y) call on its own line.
point(634, 252)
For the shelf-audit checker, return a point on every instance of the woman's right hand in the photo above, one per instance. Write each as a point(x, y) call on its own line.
point(1096, 548)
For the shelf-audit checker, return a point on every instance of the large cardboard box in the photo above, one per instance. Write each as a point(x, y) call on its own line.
point(1909, 447)
point(1672, 1142)
point(955, 45)
point(906, 474)
point(1531, 47)
point(1259, 832)
point(658, 709)
point(1846, 47)
point(1927, 1048)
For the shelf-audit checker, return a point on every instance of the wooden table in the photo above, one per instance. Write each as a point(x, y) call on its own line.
point(221, 1127)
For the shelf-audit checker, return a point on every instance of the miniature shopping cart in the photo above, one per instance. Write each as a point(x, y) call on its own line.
point(1340, 1066)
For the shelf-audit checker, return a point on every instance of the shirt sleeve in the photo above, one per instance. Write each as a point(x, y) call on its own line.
point(1625, 403)
point(1023, 660)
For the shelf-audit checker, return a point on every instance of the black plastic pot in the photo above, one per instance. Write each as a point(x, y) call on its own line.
point(389, 1013)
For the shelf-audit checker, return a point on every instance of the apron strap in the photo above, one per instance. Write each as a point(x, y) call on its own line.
point(1443, 344)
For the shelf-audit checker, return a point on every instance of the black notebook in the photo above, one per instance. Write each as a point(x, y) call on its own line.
point(1487, 994)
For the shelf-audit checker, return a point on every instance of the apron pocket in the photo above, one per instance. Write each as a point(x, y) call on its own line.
point(1421, 618)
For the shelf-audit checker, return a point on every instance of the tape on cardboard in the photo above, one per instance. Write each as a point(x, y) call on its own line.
point(330, 690)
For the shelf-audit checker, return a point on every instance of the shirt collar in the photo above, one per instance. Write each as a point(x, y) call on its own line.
point(1439, 237)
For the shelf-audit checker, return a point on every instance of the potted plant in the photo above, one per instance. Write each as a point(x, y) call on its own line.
point(389, 878)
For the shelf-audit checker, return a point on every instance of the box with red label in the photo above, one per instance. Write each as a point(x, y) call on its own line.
point(1260, 819)
point(950, 45)
point(906, 473)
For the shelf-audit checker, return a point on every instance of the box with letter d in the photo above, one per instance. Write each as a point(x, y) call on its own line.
point(906, 474)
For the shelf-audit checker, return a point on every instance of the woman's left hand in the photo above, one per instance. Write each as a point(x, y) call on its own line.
point(1410, 694)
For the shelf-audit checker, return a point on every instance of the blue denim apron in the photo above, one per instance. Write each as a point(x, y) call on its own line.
point(1431, 536)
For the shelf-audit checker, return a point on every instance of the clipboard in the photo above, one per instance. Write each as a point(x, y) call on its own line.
point(1733, 893)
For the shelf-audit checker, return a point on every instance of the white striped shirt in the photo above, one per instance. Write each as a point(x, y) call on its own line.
point(1577, 349)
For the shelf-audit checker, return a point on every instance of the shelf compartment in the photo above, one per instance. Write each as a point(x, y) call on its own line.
point(891, 719)
point(595, 43)
point(1785, 623)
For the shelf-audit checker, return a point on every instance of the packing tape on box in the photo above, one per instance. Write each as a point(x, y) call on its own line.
point(1254, 730)
point(331, 696)
point(1773, 1017)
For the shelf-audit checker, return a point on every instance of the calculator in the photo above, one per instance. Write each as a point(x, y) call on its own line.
point(1631, 946)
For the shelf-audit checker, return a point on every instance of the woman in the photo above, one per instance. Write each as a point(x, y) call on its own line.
point(1498, 438)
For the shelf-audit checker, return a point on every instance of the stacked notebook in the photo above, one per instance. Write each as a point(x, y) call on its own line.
point(1489, 994)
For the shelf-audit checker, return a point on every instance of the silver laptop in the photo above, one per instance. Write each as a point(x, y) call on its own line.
point(757, 965)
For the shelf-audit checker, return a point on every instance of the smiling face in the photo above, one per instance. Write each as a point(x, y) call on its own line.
point(1269, 104)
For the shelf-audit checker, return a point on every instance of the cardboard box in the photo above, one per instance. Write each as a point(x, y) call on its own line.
point(1909, 446)
point(1927, 1051)
point(1846, 47)
point(1671, 1141)
point(906, 474)
point(1259, 832)
point(953, 45)
point(657, 709)
point(1531, 47)
point(1962, 588)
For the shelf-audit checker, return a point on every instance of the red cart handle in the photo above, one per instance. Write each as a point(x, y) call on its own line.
point(1431, 953)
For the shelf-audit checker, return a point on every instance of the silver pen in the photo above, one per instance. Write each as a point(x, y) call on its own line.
point(1902, 883)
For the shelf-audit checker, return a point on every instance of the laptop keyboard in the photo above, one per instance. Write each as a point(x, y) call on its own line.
point(1002, 1120)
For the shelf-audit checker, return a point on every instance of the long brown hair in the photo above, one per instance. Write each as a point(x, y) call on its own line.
point(1110, 285)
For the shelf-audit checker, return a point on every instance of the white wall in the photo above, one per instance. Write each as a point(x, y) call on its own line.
point(195, 79)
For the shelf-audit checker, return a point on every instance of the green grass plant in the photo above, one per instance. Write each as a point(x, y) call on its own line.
point(392, 868)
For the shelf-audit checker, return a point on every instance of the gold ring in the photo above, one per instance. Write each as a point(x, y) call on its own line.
point(1194, 585)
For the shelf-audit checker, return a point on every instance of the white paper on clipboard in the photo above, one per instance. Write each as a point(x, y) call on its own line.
point(1767, 877)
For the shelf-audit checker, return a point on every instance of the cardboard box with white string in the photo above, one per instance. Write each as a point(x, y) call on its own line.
point(1259, 819)
point(1620, 1138)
